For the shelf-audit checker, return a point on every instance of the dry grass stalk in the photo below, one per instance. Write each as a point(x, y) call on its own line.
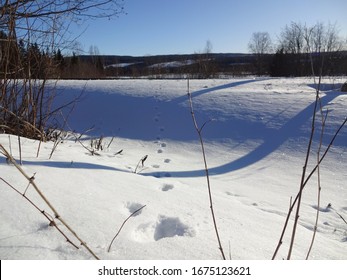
point(45, 214)
point(132, 214)
point(199, 131)
point(280, 242)
point(31, 181)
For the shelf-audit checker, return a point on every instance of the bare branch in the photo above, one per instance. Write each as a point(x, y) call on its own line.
point(40, 193)
point(46, 215)
point(198, 130)
point(304, 184)
point(132, 214)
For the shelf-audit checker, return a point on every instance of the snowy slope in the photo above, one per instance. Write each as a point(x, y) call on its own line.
point(256, 139)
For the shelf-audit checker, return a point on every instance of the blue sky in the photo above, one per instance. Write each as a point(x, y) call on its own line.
point(153, 27)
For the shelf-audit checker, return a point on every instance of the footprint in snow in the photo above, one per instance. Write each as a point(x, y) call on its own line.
point(232, 194)
point(170, 227)
point(164, 227)
point(159, 151)
point(167, 160)
point(132, 207)
point(163, 145)
point(167, 187)
point(321, 209)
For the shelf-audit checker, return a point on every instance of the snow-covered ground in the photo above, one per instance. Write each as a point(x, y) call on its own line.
point(256, 138)
point(173, 64)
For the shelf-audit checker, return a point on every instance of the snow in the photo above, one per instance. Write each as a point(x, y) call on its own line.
point(122, 65)
point(255, 137)
point(173, 64)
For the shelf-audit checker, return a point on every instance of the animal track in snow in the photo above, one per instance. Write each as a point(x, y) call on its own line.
point(170, 227)
point(163, 145)
point(266, 209)
point(167, 160)
point(132, 207)
point(167, 187)
point(159, 151)
point(232, 194)
point(321, 209)
point(164, 227)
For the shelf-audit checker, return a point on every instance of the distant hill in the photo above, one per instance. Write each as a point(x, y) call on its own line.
point(152, 59)
point(197, 65)
point(207, 65)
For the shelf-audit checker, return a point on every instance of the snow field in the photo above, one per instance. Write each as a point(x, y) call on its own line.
point(256, 139)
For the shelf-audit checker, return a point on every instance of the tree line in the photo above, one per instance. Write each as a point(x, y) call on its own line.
point(32, 37)
point(301, 50)
point(33, 44)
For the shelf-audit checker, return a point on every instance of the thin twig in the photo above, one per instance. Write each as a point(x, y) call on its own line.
point(46, 215)
point(142, 162)
point(198, 130)
point(78, 138)
point(38, 148)
point(20, 150)
point(343, 219)
point(303, 178)
point(109, 144)
point(9, 143)
point(84, 132)
point(306, 181)
point(56, 143)
point(56, 214)
point(132, 214)
point(318, 180)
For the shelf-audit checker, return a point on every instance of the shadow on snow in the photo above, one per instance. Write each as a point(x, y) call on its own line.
point(272, 140)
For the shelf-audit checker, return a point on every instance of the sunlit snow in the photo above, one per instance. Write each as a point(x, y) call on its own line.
point(256, 137)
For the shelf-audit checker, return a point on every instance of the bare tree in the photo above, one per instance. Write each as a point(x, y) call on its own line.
point(31, 33)
point(75, 10)
point(292, 38)
point(208, 47)
point(205, 62)
point(325, 43)
point(318, 42)
point(298, 42)
point(322, 38)
point(94, 50)
point(53, 17)
point(260, 44)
